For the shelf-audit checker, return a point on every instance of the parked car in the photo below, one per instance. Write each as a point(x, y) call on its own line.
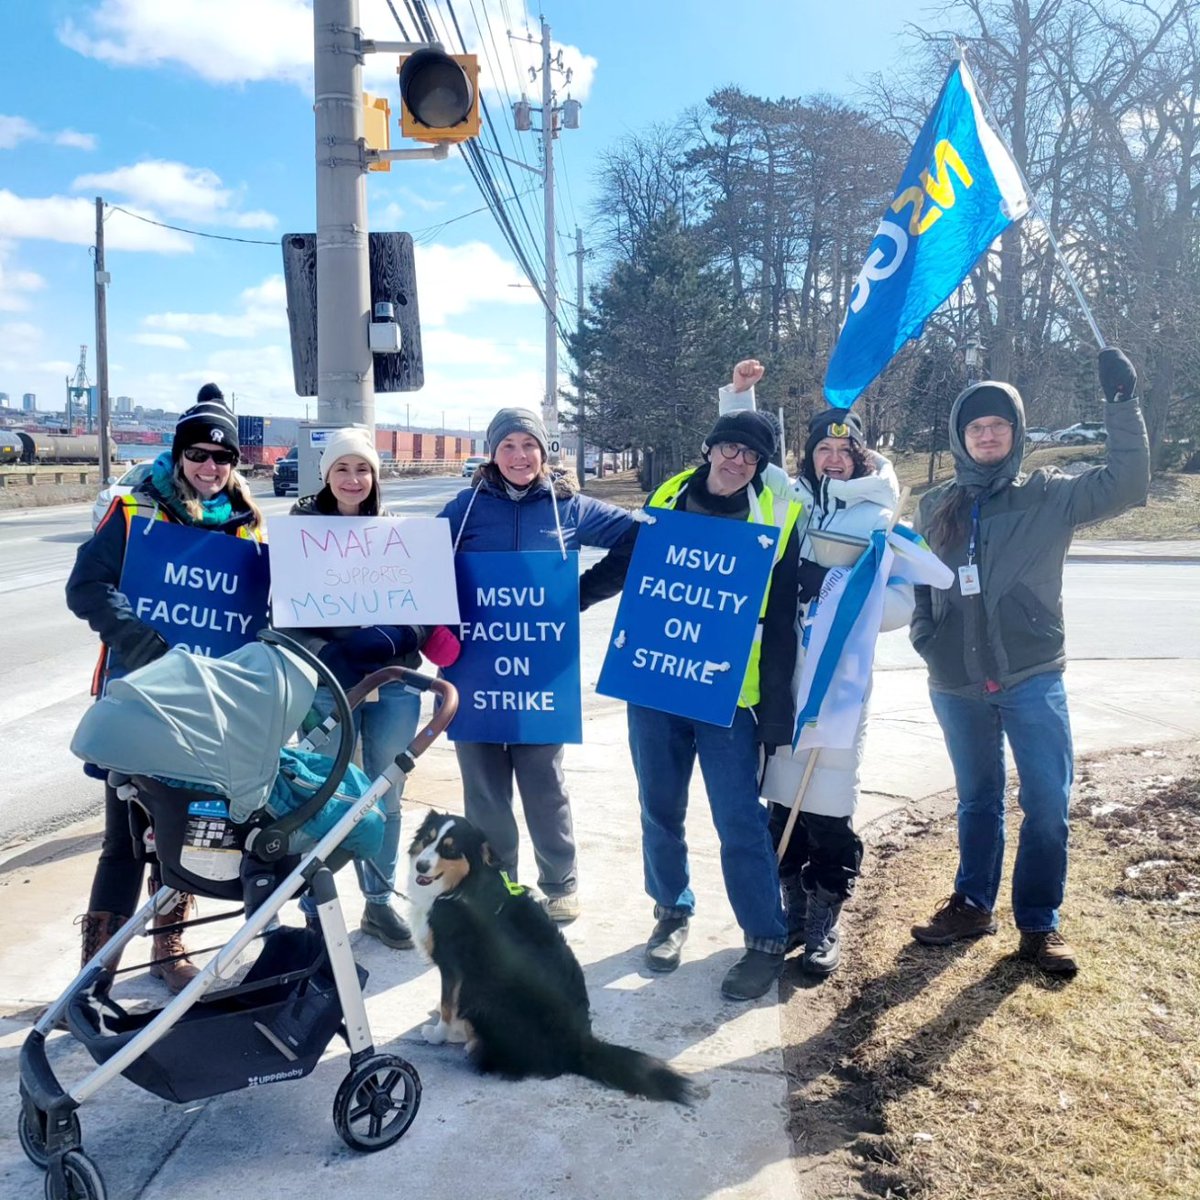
point(1082, 433)
point(469, 465)
point(286, 475)
point(122, 486)
point(1038, 435)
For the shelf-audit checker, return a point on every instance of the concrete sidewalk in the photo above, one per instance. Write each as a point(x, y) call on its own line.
point(564, 1138)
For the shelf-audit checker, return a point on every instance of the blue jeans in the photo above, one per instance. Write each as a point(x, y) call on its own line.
point(1033, 716)
point(664, 749)
point(386, 727)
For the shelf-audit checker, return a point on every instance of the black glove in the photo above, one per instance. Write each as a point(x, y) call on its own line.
point(1117, 376)
point(811, 576)
point(139, 645)
point(375, 646)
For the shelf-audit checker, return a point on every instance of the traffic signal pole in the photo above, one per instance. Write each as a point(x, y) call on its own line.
point(345, 368)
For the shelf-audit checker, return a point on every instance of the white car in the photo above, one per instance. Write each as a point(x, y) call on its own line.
point(125, 484)
point(1037, 434)
point(1082, 433)
point(469, 465)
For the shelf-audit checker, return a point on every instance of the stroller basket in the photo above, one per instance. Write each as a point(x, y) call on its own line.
point(274, 1025)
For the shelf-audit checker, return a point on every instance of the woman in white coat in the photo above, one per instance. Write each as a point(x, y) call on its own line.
point(845, 489)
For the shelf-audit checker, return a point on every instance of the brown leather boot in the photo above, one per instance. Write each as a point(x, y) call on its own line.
point(98, 928)
point(179, 973)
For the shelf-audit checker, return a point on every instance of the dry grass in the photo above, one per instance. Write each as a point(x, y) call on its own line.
point(995, 1083)
point(622, 489)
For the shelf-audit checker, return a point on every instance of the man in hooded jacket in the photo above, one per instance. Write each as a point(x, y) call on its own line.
point(994, 645)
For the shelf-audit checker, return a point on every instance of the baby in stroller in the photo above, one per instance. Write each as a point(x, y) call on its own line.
point(198, 747)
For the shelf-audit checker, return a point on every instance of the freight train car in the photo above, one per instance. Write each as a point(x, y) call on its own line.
point(10, 447)
point(57, 449)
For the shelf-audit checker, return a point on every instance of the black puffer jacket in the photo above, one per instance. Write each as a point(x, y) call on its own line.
point(1013, 628)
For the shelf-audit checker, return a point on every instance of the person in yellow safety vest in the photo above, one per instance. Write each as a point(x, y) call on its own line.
point(665, 747)
point(194, 483)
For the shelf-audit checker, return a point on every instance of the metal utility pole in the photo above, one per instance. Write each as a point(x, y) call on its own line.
point(102, 341)
point(581, 447)
point(550, 402)
point(345, 370)
point(550, 113)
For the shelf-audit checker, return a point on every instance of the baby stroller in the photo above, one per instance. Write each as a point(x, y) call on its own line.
point(196, 745)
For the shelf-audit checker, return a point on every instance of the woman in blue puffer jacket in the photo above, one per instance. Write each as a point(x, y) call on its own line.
point(516, 503)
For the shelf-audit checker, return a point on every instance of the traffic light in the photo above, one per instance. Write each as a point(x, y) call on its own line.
point(439, 96)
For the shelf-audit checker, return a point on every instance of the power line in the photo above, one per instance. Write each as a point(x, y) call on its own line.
point(218, 237)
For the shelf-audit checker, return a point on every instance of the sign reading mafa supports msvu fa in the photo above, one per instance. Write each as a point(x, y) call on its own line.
point(518, 674)
point(688, 614)
point(361, 571)
point(204, 591)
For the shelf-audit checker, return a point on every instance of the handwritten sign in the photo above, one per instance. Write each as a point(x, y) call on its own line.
point(518, 674)
point(688, 614)
point(361, 571)
point(204, 591)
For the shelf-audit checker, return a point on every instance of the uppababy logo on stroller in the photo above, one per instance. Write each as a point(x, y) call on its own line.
point(278, 1077)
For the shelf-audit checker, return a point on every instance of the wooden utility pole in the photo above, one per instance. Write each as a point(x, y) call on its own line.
point(101, 284)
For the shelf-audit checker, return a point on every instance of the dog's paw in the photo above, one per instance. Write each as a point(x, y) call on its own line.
point(435, 1034)
point(457, 1031)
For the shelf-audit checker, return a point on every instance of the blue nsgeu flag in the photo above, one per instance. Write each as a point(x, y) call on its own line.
point(958, 193)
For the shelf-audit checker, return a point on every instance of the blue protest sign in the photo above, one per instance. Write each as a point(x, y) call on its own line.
point(685, 627)
point(518, 674)
point(204, 591)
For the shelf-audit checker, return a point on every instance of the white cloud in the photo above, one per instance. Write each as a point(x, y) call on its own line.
point(75, 139)
point(166, 341)
point(260, 308)
point(234, 42)
point(222, 41)
point(453, 279)
point(176, 190)
point(72, 219)
point(448, 345)
point(15, 282)
point(15, 130)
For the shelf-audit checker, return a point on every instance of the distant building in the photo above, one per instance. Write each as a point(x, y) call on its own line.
point(3, 399)
point(29, 402)
point(124, 404)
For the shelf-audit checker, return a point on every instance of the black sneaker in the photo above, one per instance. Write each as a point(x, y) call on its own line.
point(383, 922)
point(955, 920)
point(666, 943)
point(752, 975)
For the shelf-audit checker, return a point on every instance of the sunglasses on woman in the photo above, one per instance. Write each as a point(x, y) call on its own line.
point(223, 458)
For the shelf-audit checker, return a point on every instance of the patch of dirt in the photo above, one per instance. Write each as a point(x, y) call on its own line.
point(963, 1073)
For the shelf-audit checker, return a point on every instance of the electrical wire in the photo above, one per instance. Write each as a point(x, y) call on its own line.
point(219, 237)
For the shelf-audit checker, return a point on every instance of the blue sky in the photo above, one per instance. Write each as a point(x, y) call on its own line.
point(198, 113)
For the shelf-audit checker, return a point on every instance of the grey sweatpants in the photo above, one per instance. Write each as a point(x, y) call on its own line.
point(487, 770)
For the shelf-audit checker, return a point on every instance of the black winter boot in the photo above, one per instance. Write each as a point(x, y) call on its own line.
point(795, 908)
point(822, 939)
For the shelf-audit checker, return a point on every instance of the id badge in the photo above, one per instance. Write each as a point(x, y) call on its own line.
point(968, 580)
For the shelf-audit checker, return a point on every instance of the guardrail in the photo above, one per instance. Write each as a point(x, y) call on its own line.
point(23, 476)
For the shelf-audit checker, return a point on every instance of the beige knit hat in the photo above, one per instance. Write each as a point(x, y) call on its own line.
point(351, 439)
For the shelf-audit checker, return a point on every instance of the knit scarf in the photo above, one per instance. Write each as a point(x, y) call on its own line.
point(216, 511)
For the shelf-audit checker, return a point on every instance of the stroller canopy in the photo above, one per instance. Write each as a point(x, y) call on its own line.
point(215, 721)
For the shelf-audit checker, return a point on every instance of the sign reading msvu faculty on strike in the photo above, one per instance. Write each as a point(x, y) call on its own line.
point(361, 571)
point(203, 591)
point(683, 633)
point(518, 674)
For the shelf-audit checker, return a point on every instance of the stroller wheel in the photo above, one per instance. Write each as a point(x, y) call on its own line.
point(32, 1136)
point(367, 1111)
point(83, 1181)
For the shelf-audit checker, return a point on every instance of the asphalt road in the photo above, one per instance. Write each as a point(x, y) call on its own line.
point(1125, 610)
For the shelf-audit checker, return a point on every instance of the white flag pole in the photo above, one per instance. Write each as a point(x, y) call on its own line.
point(815, 752)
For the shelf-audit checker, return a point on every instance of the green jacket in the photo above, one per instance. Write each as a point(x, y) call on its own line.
point(1013, 628)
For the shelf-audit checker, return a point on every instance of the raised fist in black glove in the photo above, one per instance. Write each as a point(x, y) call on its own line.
point(811, 576)
point(1117, 376)
point(139, 645)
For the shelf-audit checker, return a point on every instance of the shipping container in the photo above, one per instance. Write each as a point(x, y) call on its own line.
point(250, 431)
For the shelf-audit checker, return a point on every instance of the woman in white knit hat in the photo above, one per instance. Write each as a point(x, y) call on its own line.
point(350, 488)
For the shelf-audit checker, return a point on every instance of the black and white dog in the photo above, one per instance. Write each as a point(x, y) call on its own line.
point(512, 990)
